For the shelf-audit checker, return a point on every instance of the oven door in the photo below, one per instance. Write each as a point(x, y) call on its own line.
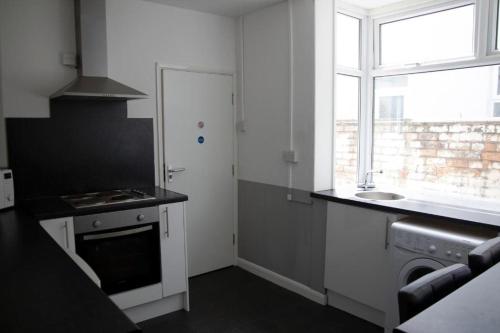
point(124, 258)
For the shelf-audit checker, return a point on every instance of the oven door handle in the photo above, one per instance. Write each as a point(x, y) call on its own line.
point(117, 233)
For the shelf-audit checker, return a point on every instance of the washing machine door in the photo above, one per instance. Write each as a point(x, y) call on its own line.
point(417, 268)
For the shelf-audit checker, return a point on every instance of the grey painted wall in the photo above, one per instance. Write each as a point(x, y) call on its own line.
point(3, 139)
point(283, 236)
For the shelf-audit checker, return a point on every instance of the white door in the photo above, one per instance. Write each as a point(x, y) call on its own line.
point(198, 146)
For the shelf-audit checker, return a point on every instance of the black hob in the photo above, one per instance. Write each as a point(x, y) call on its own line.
point(105, 198)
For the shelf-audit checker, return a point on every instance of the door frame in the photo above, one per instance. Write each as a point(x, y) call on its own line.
point(160, 138)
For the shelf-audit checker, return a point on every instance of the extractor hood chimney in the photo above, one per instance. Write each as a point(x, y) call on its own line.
point(92, 58)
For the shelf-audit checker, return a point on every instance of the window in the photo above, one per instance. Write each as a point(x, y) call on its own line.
point(447, 139)
point(348, 83)
point(391, 108)
point(496, 110)
point(348, 41)
point(346, 129)
point(424, 103)
point(442, 35)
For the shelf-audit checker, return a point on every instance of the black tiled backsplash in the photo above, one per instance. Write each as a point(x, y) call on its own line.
point(84, 146)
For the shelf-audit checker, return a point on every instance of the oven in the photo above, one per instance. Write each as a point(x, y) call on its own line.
point(122, 247)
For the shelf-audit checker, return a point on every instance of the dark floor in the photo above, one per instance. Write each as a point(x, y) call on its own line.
point(233, 300)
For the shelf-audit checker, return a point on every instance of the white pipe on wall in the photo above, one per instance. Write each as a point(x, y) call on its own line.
point(241, 123)
point(292, 93)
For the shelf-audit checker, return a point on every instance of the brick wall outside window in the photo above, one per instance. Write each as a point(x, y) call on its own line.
point(449, 157)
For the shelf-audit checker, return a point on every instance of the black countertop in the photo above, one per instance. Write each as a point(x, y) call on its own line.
point(41, 288)
point(475, 307)
point(411, 206)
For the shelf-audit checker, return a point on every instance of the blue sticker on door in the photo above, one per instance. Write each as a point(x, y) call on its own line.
point(201, 140)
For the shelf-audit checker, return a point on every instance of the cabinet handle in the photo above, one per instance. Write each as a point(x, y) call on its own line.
point(66, 234)
point(387, 225)
point(167, 227)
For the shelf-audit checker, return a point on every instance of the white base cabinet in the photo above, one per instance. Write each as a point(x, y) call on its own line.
point(172, 293)
point(173, 249)
point(62, 231)
point(143, 303)
point(357, 263)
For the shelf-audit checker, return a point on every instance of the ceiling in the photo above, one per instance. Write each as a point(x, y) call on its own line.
point(220, 7)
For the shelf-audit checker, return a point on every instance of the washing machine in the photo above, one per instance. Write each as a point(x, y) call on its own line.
point(419, 246)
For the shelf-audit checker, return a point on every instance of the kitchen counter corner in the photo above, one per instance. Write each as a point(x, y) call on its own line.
point(43, 290)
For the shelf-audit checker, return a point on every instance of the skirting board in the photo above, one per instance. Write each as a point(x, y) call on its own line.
point(282, 281)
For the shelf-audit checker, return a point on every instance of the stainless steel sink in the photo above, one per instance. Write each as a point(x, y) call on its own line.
point(379, 196)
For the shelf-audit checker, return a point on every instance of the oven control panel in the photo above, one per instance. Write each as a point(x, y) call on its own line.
point(115, 219)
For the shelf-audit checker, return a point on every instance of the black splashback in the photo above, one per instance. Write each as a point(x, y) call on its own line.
point(85, 146)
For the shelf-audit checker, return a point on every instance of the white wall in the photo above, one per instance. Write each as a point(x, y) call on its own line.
point(3, 141)
point(34, 34)
point(267, 91)
point(323, 142)
point(266, 96)
point(142, 33)
point(303, 92)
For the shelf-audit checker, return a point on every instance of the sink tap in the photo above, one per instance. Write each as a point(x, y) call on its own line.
point(365, 185)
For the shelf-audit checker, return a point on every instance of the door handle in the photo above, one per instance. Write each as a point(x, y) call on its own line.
point(115, 234)
point(171, 170)
point(167, 226)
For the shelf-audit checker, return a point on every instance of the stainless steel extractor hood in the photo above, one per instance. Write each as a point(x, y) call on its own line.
point(92, 58)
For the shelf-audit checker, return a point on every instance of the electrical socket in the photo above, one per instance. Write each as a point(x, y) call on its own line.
point(241, 126)
point(68, 59)
point(290, 156)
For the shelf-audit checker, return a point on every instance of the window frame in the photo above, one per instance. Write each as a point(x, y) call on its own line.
point(485, 38)
point(364, 133)
point(414, 13)
point(485, 54)
point(360, 46)
point(493, 48)
point(485, 35)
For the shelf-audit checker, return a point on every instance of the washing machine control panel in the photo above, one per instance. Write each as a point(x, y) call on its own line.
point(432, 244)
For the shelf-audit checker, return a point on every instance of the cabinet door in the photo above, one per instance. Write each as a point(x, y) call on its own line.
point(357, 261)
point(61, 230)
point(173, 247)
